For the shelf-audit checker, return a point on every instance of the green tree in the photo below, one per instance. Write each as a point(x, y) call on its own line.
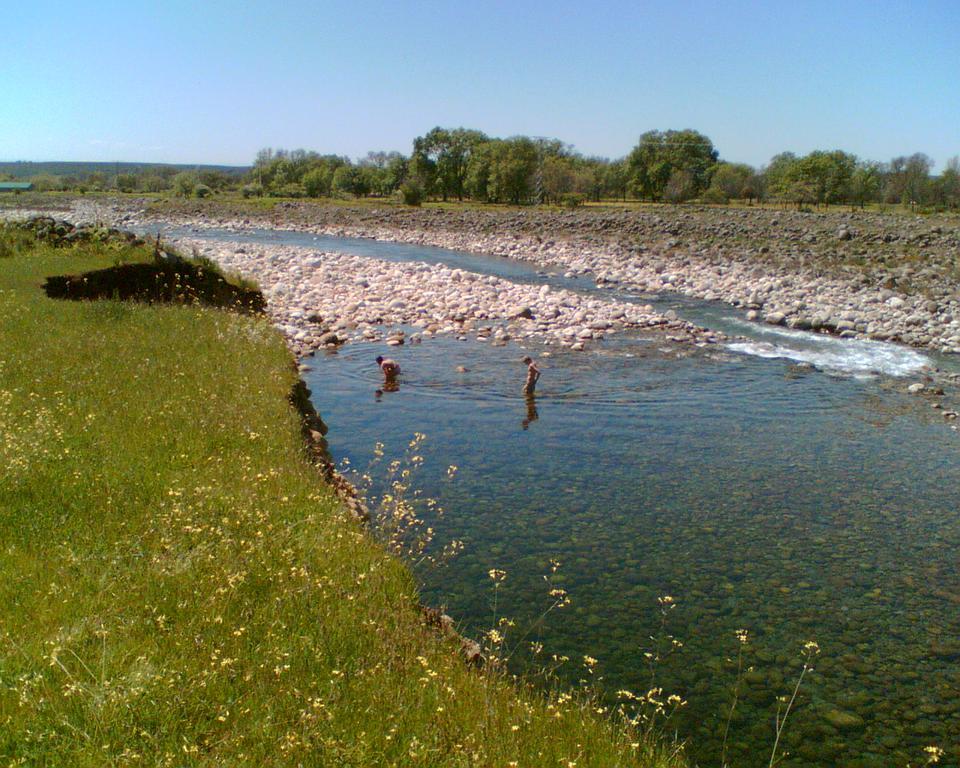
point(513, 170)
point(950, 183)
point(617, 179)
point(126, 182)
point(385, 171)
point(97, 180)
point(318, 181)
point(591, 177)
point(558, 177)
point(479, 171)
point(396, 172)
point(503, 171)
point(443, 155)
point(681, 186)
point(352, 180)
point(422, 171)
point(46, 182)
point(822, 177)
point(215, 180)
point(777, 174)
point(865, 182)
point(184, 183)
point(908, 179)
point(730, 180)
point(659, 155)
point(755, 187)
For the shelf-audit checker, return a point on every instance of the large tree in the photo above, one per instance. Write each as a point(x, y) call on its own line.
point(352, 180)
point(661, 155)
point(442, 157)
point(514, 168)
point(385, 171)
point(504, 171)
point(908, 178)
point(824, 176)
point(950, 183)
point(865, 182)
point(617, 179)
point(777, 174)
point(730, 180)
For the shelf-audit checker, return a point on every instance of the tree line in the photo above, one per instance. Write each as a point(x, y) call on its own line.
point(665, 166)
point(673, 166)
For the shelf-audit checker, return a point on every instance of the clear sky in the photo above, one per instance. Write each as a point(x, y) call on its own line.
point(211, 81)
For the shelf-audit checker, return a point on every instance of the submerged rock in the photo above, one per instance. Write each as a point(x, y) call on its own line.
point(843, 720)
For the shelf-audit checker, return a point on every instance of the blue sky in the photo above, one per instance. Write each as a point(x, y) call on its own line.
point(212, 82)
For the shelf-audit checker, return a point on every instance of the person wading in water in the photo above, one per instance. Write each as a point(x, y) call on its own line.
point(533, 376)
point(391, 370)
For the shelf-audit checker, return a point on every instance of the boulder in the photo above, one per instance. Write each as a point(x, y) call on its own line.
point(774, 318)
point(843, 720)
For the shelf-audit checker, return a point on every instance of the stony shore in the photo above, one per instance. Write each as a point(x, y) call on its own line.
point(889, 278)
point(884, 277)
point(319, 299)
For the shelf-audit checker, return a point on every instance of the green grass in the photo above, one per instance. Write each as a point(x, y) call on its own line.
point(178, 588)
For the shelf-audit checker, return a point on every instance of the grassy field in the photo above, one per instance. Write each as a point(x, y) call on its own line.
point(177, 588)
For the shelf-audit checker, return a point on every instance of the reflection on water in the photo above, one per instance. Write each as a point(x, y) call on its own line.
point(532, 413)
point(760, 494)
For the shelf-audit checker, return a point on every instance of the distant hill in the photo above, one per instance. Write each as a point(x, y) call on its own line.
point(25, 169)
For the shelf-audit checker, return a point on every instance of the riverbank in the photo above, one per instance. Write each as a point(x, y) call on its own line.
point(861, 275)
point(321, 299)
point(178, 585)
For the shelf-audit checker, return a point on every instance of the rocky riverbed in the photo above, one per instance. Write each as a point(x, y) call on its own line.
point(858, 275)
point(320, 299)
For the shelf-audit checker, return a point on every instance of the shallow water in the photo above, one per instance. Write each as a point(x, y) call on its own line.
point(760, 494)
point(783, 501)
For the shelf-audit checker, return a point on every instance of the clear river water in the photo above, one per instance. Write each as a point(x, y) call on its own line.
point(783, 483)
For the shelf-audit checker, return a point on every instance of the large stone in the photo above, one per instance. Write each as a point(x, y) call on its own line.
point(843, 720)
point(775, 318)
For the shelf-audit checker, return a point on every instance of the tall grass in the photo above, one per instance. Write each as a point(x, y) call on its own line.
point(177, 588)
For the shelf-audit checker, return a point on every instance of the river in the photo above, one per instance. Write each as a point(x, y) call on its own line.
point(783, 483)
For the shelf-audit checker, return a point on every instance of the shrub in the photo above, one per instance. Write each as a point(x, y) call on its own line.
point(202, 190)
point(153, 182)
point(411, 194)
point(572, 199)
point(288, 190)
point(252, 190)
point(715, 196)
point(184, 183)
point(126, 182)
point(317, 182)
